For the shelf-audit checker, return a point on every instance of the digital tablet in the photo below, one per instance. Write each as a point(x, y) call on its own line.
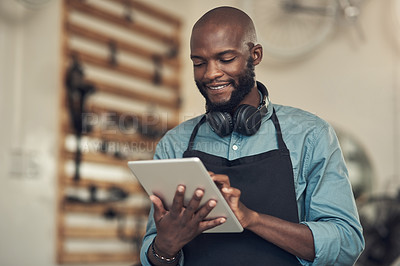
point(161, 178)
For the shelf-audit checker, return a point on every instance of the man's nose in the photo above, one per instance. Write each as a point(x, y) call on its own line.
point(213, 71)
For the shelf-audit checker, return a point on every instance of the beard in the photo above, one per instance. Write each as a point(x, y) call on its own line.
point(241, 89)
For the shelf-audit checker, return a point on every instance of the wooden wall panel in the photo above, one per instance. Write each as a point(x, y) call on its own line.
point(109, 43)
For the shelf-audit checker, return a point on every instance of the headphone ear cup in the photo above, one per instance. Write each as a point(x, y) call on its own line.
point(247, 120)
point(220, 122)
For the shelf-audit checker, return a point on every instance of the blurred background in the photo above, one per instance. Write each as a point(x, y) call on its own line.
point(86, 86)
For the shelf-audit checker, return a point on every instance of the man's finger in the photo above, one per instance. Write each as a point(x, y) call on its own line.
point(177, 202)
point(194, 204)
point(205, 210)
point(159, 209)
point(234, 196)
point(221, 180)
point(205, 225)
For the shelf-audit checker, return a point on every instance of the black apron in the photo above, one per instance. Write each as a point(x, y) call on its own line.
point(267, 186)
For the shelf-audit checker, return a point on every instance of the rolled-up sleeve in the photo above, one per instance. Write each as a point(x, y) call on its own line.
point(148, 238)
point(330, 209)
point(151, 230)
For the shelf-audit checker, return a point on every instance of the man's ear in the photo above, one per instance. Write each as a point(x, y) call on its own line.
point(257, 54)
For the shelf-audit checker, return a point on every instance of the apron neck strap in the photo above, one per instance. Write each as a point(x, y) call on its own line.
point(274, 118)
point(194, 133)
point(281, 143)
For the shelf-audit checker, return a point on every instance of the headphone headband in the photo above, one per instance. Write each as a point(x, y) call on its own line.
point(265, 100)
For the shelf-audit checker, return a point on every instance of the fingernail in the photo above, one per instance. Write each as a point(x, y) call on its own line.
point(212, 203)
point(225, 190)
point(199, 193)
point(222, 220)
point(181, 189)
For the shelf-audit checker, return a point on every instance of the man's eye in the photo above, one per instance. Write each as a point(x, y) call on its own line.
point(228, 60)
point(198, 64)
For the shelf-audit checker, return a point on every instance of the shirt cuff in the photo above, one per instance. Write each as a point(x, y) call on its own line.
point(145, 247)
point(326, 243)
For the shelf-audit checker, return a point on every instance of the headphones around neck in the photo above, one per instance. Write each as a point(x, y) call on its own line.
point(246, 120)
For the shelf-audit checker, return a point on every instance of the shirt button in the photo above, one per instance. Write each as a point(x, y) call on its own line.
point(235, 147)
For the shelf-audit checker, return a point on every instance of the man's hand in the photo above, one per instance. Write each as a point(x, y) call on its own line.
point(232, 196)
point(179, 225)
point(293, 237)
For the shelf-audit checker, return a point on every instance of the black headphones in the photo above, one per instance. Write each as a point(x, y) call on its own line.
point(246, 119)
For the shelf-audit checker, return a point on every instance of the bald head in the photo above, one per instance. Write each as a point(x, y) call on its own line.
point(228, 18)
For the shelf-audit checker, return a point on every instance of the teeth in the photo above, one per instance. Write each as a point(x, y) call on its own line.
point(218, 87)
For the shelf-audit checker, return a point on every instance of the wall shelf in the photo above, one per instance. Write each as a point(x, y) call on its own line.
point(102, 57)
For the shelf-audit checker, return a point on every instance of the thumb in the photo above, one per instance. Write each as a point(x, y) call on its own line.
point(159, 209)
point(235, 196)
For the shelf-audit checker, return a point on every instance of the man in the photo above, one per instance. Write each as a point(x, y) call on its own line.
point(280, 169)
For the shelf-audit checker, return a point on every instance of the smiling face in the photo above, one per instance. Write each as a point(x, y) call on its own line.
point(231, 92)
point(224, 56)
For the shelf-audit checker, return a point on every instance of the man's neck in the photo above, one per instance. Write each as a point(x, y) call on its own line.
point(253, 98)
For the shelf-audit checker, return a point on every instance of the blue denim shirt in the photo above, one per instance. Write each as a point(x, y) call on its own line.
point(323, 191)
